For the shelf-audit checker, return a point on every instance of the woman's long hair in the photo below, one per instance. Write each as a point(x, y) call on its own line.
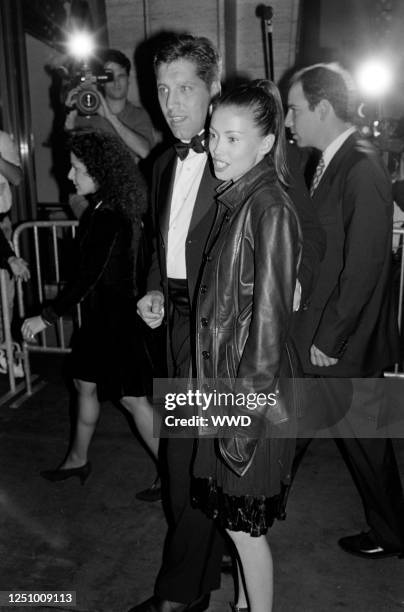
point(263, 100)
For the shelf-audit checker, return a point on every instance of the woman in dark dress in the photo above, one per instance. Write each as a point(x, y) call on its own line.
point(108, 357)
point(244, 311)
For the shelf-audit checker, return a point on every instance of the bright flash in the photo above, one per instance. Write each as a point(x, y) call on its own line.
point(374, 78)
point(81, 45)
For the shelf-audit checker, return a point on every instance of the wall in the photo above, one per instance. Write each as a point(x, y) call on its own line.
point(129, 21)
point(38, 55)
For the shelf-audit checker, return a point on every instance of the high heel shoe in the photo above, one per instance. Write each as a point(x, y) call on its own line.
point(82, 473)
point(235, 608)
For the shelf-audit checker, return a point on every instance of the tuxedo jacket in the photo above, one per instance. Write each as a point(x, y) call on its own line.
point(350, 314)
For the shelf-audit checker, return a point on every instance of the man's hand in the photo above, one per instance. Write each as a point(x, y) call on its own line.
point(70, 105)
point(151, 308)
point(318, 358)
point(297, 296)
point(19, 267)
point(31, 327)
point(103, 110)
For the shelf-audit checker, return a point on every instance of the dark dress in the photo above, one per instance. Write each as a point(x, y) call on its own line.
point(109, 347)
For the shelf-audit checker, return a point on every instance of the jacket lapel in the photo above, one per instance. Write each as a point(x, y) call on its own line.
point(164, 196)
point(332, 170)
point(205, 196)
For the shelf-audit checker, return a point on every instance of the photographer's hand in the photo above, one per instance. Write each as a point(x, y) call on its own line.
point(103, 109)
point(71, 98)
point(70, 120)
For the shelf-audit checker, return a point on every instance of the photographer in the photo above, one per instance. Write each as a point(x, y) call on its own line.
point(115, 113)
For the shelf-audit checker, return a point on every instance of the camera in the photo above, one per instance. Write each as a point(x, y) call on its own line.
point(87, 99)
point(83, 74)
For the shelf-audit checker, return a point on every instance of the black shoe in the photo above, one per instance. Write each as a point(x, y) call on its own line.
point(363, 545)
point(152, 494)
point(82, 473)
point(155, 604)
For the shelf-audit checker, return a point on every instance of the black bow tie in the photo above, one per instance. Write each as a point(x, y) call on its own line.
point(196, 144)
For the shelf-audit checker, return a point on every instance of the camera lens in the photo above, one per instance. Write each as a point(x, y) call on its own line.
point(88, 101)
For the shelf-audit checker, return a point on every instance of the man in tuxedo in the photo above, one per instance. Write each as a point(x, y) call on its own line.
point(348, 328)
point(188, 78)
point(183, 200)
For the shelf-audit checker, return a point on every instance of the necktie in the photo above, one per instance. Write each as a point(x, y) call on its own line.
point(317, 176)
point(196, 144)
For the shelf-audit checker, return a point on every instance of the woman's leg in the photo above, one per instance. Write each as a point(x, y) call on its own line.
point(256, 560)
point(143, 414)
point(88, 411)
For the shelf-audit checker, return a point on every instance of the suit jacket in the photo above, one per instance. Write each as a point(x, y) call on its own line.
point(350, 315)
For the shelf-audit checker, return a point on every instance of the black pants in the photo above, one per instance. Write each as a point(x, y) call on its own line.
point(373, 466)
point(194, 547)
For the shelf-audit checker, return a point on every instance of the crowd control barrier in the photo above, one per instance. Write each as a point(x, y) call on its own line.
point(48, 265)
point(44, 240)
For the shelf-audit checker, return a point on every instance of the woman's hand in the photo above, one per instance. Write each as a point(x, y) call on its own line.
point(19, 267)
point(31, 327)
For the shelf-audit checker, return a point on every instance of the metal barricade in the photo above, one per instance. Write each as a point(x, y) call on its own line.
point(40, 234)
point(59, 345)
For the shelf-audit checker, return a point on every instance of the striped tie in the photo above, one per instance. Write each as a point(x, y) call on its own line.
point(317, 176)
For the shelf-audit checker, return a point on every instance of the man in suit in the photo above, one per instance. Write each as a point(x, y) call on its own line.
point(183, 189)
point(348, 328)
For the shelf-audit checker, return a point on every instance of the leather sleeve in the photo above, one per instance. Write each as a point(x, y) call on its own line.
point(276, 257)
point(276, 249)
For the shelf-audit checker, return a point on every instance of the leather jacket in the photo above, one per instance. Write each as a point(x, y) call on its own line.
point(244, 305)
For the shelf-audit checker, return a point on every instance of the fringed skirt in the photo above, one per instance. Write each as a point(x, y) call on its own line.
point(249, 503)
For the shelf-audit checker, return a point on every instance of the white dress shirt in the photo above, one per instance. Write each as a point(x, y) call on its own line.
point(188, 175)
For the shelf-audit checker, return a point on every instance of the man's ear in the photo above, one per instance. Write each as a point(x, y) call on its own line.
point(324, 108)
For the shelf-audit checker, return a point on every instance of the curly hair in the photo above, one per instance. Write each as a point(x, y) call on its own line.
point(121, 186)
point(111, 165)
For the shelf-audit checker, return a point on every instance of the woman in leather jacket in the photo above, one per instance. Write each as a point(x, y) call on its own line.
point(243, 313)
point(108, 359)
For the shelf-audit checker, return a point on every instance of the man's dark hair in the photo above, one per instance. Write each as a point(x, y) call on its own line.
point(196, 49)
point(328, 82)
point(113, 55)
